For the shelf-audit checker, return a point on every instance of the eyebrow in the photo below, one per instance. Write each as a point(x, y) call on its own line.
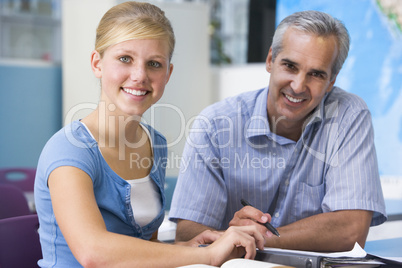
point(321, 72)
point(130, 52)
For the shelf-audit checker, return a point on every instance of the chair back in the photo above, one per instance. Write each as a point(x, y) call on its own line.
point(22, 178)
point(170, 185)
point(12, 202)
point(19, 243)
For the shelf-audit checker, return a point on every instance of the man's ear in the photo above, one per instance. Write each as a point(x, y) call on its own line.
point(331, 84)
point(96, 64)
point(268, 61)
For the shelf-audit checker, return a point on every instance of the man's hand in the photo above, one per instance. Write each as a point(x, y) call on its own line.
point(252, 216)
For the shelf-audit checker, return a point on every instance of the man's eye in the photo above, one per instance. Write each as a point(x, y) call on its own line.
point(317, 74)
point(154, 64)
point(289, 66)
point(124, 59)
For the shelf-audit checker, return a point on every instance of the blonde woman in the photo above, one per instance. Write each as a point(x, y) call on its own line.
point(96, 208)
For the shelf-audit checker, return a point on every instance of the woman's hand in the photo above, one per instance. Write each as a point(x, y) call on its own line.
point(206, 237)
point(236, 242)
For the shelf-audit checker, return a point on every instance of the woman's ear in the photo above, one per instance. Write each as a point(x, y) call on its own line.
point(169, 73)
point(96, 63)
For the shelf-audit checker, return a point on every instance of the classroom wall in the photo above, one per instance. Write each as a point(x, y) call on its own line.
point(30, 111)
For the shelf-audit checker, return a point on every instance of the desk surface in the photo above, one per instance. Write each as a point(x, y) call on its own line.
point(385, 248)
point(394, 206)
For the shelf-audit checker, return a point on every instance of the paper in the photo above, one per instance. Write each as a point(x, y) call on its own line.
point(356, 252)
point(241, 263)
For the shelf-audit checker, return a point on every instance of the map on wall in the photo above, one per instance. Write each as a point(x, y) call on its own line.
point(373, 69)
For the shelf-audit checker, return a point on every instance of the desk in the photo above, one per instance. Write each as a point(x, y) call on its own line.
point(385, 248)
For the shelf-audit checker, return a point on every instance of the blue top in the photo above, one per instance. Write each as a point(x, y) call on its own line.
point(231, 153)
point(74, 146)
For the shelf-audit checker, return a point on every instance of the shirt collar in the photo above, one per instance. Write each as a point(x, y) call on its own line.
point(258, 123)
point(322, 111)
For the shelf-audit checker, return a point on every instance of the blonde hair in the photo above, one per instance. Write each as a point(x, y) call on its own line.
point(133, 20)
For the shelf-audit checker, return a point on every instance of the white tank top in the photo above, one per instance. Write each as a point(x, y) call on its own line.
point(145, 197)
point(145, 200)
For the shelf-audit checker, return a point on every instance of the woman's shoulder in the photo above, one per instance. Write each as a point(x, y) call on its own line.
point(70, 146)
point(73, 135)
point(70, 141)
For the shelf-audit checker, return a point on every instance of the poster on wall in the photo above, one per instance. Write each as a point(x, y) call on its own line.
point(373, 69)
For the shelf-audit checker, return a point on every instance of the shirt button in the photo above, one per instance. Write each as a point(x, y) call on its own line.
point(287, 182)
point(277, 215)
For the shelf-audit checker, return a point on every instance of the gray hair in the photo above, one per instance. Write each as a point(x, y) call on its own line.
point(320, 24)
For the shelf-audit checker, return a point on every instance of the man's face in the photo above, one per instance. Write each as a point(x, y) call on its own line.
point(300, 77)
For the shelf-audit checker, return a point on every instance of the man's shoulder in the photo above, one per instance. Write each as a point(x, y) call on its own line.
point(232, 106)
point(346, 100)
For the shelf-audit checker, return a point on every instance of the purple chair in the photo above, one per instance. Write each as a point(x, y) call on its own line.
point(12, 202)
point(19, 243)
point(22, 178)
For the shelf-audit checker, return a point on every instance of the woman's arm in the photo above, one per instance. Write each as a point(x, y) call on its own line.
point(82, 225)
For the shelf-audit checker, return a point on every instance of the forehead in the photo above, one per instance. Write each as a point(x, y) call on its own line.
point(310, 49)
point(158, 47)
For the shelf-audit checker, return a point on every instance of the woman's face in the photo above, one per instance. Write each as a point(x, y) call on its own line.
point(133, 74)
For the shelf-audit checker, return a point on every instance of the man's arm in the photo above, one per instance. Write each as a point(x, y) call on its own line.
point(331, 231)
point(187, 230)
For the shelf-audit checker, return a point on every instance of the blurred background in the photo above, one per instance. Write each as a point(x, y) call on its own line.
point(46, 80)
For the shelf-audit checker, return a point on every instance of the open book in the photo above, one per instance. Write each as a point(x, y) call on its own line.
point(241, 263)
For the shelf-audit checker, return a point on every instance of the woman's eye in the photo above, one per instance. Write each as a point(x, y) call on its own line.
point(154, 64)
point(124, 59)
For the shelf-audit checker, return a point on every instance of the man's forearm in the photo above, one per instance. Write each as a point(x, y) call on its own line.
point(187, 230)
point(333, 231)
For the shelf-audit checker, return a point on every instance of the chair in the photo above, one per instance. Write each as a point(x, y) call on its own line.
point(19, 243)
point(12, 202)
point(170, 185)
point(23, 178)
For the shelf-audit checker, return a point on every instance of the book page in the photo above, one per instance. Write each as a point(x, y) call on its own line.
point(241, 263)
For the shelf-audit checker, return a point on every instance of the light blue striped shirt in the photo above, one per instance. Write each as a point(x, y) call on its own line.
point(232, 154)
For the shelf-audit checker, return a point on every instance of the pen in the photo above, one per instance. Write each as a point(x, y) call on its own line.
point(267, 224)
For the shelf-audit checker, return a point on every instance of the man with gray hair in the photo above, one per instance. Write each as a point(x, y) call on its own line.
point(301, 150)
